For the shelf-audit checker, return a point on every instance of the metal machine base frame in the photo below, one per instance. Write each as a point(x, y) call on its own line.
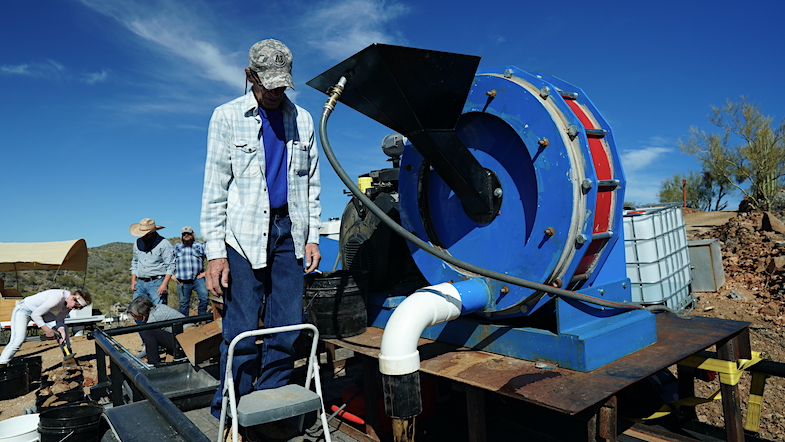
point(596, 342)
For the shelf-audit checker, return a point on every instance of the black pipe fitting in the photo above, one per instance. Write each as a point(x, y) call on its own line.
point(402, 398)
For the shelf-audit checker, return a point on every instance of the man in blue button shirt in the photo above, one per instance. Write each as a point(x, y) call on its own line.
point(189, 276)
point(260, 218)
point(152, 265)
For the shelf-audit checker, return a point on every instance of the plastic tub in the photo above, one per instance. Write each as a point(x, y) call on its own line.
point(78, 422)
point(335, 303)
point(19, 429)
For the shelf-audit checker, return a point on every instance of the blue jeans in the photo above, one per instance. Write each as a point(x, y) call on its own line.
point(19, 320)
point(274, 294)
point(184, 289)
point(150, 289)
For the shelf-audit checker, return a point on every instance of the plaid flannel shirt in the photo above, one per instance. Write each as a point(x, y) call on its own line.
point(189, 260)
point(235, 201)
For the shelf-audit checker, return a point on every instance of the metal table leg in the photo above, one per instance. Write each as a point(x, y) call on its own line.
point(370, 368)
point(732, 349)
point(475, 410)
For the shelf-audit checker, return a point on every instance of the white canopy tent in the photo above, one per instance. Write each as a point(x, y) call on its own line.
point(58, 255)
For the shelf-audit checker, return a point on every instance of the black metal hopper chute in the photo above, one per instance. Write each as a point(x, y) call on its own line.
point(420, 94)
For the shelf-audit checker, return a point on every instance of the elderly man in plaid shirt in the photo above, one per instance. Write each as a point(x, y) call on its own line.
point(261, 218)
point(189, 274)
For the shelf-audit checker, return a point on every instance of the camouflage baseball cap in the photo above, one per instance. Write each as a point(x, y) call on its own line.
point(272, 61)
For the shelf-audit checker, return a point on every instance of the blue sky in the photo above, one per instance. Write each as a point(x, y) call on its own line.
point(105, 103)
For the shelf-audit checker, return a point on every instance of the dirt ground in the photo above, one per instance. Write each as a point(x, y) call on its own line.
point(753, 292)
point(52, 366)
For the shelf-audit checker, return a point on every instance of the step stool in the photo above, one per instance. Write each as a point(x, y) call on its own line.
point(263, 406)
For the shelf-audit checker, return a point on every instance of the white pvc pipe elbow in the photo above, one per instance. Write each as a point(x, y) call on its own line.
point(426, 307)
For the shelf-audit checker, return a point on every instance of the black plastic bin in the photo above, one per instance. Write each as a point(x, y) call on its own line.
point(70, 397)
point(14, 381)
point(335, 302)
point(34, 364)
point(71, 423)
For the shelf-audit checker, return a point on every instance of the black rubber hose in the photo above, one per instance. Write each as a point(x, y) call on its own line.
point(397, 228)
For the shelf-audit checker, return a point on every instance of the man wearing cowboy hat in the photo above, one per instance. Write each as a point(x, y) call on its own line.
point(153, 263)
point(261, 217)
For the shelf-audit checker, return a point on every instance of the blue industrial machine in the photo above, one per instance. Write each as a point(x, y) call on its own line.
point(509, 191)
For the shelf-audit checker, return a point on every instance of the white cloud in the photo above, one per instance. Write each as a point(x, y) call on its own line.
point(19, 69)
point(189, 30)
point(340, 29)
point(641, 159)
point(96, 77)
point(39, 69)
point(176, 37)
point(645, 169)
point(51, 64)
point(172, 26)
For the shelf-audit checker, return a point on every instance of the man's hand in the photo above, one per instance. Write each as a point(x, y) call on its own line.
point(164, 285)
point(133, 283)
point(217, 276)
point(312, 257)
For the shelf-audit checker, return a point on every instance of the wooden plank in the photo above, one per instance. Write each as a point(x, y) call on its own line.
point(7, 307)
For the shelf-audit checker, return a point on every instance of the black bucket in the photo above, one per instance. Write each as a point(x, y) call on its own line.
point(34, 364)
point(70, 397)
point(71, 423)
point(14, 381)
point(335, 302)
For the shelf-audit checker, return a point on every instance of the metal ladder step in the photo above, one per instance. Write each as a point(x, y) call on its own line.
point(263, 406)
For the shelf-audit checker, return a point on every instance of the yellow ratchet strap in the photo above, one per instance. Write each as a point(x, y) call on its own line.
point(670, 407)
point(755, 401)
point(730, 374)
point(730, 371)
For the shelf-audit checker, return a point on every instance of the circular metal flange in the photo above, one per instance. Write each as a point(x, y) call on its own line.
point(541, 186)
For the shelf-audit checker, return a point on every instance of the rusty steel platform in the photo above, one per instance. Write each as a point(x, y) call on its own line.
point(589, 395)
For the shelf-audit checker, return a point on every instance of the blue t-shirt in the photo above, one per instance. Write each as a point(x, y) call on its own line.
point(272, 136)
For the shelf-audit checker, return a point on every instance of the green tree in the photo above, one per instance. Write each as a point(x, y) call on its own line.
point(747, 155)
point(700, 190)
